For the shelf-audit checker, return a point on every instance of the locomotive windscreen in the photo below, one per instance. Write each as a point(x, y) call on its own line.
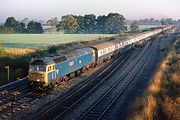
point(37, 68)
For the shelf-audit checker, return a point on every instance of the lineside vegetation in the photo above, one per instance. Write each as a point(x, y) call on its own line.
point(161, 99)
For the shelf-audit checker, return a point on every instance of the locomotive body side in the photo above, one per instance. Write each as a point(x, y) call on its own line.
point(59, 66)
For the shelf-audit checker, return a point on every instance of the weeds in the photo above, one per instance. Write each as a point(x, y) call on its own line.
point(161, 100)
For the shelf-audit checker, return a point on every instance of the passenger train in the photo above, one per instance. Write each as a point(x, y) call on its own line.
point(48, 71)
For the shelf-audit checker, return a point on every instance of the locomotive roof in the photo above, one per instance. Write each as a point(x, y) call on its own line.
point(42, 61)
point(78, 52)
point(61, 57)
point(121, 39)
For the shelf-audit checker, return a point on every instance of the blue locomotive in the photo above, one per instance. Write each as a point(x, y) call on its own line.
point(51, 70)
point(46, 71)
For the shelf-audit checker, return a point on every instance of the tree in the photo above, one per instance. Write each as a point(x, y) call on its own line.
point(89, 23)
point(34, 27)
point(22, 28)
point(134, 27)
point(11, 22)
point(81, 28)
point(69, 24)
point(53, 21)
point(31, 27)
point(5, 30)
point(100, 26)
point(38, 27)
point(114, 24)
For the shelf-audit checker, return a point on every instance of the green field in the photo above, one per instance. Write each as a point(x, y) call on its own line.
point(41, 40)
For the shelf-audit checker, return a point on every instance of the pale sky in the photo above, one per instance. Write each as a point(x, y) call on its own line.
point(131, 9)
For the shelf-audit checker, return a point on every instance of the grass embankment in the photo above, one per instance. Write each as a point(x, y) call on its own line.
point(161, 99)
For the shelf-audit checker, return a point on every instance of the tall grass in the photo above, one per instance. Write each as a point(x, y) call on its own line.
point(19, 51)
point(161, 100)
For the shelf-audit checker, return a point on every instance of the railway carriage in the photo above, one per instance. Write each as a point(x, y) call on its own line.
point(103, 51)
point(118, 46)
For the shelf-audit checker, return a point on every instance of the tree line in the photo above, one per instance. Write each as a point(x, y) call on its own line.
point(113, 23)
point(13, 26)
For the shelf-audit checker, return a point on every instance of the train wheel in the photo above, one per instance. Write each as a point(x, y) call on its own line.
point(72, 75)
point(66, 78)
point(59, 80)
point(83, 70)
point(50, 86)
point(92, 66)
point(78, 72)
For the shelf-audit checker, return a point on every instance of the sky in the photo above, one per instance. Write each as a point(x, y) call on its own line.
point(131, 9)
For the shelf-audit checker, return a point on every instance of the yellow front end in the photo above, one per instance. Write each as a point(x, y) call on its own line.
point(37, 77)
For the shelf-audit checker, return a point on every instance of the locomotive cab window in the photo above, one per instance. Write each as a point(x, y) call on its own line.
point(42, 68)
point(51, 68)
point(32, 68)
point(37, 68)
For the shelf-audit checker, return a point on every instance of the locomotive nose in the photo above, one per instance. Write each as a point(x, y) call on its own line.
point(38, 77)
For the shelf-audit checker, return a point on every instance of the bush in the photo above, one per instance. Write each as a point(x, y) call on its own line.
point(19, 73)
point(4, 30)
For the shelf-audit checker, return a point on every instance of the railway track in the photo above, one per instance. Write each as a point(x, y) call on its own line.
point(19, 88)
point(24, 95)
point(62, 108)
point(103, 100)
point(71, 97)
point(23, 92)
point(103, 105)
point(20, 104)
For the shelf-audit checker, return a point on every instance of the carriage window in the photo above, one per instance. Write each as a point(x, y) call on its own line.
point(101, 52)
point(104, 51)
